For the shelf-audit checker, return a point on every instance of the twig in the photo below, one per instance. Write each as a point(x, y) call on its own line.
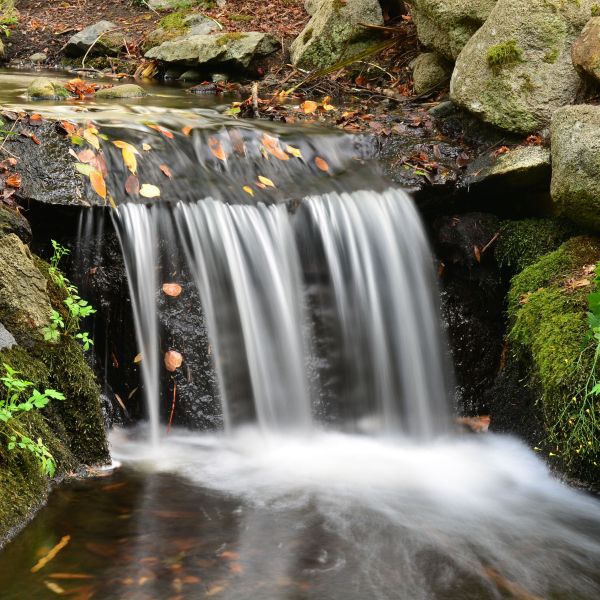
point(255, 100)
point(94, 43)
point(172, 407)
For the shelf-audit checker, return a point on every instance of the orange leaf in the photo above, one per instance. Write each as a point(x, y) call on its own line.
point(172, 289)
point(165, 132)
point(68, 127)
point(13, 181)
point(173, 360)
point(216, 148)
point(321, 164)
point(98, 183)
point(309, 107)
point(166, 171)
point(273, 147)
point(187, 130)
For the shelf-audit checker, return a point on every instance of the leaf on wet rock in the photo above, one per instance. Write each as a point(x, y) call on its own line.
point(216, 148)
point(248, 190)
point(84, 169)
point(132, 185)
point(265, 181)
point(149, 191)
point(166, 171)
point(98, 183)
point(321, 164)
point(86, 156)
point(272, 146)
point(187, 130)
point(172, 289)
point(13, 181)
point(173, 360)
point(91, 137)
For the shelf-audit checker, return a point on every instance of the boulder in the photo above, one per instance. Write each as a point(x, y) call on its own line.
point(576, 164)
point(103, 38)
point(127, 90)
point(43, 88)
point(585, 52)
point(233, 50)
point(517, 70)
point(447, 25)
point(173, 29)
point(12, 221)
point(429, 72)
point(7, 339)
point(24, 305)
point(335, 32)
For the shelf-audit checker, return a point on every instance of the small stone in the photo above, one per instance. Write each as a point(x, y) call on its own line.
point(38, 57)
point(127, 90)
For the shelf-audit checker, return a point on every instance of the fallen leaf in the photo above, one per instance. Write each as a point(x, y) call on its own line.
point(214, 590)
point(272, 146)
point(98, 183)
point(248, 190)
point(86, 156)
point(309, 107)
point(173, 360)
point(172, 289)
point(327, 104)
point(166, 171)
point(132, 185)
point(69, 127)
point(266, 181)
point(187, 130)
point(476, 424)
point(91, 138)
point(84, 169)
point(146, 147)
point(70, 576)
point(216, 148)
point(293, 151)
point(149, 191)
point(54, 587)
point(321, 164)
point(163, 131)
point(138, 358)
point(13, 181)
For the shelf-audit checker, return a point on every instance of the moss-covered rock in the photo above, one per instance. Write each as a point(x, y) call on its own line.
point(547, 307)
point(517, 69)
point(576, 164)
point(102, 38)
point(43, 88)
point(522, 243)
point(447, 25)
point(127, 90)
point(334, 32)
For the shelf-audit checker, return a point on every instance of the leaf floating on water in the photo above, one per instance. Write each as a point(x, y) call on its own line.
point(149, 191)
point(293, 151)
point(162, 130)
point(166, 171)
point(128, 151)
point(138, 358)
point(187, 130)
point(54, 587)
point(321, 164)
point(91, 138)
point(172, 289)
point(248, 190)
point(46, 559)
point(272, 146)
point(98, 183)
point(216, 148)
point(173, 360)
point(266, 181)
point(309, 107)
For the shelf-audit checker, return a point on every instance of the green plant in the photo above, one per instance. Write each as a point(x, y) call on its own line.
point(76, 308)
point(503, 54)
point(20, 397)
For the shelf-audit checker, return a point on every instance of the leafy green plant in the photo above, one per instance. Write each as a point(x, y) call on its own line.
point(577, 429)
point(77, 308)
point(18, 397)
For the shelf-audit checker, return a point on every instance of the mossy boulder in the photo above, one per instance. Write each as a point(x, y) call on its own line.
point(516, 71)
point(585, 52)
point(576, 164)
point(102, 38)
point(447, 25)
point(42, 88)
point(547, 307)
point(429, 72)
point(24, 306)
point(127, 90)
point(227, 50)
point(335, 32)
point(178, 25)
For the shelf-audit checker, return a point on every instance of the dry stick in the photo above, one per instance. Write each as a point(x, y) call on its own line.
point(6, 139)
point(255, 100)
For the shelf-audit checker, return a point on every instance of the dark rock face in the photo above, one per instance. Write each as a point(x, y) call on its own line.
point(472, 303)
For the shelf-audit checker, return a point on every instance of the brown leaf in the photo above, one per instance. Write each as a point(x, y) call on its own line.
point(216, 148)
point(477, 253)
point(172, 289)
point(173, 360)
point(272, 146)
point(166, 171)
point(321, 164)
point(86, 156)
point(132, 185)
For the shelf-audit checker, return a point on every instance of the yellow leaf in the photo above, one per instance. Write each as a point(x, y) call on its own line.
point(54, 587)
point(129, 160)
point(91, 138)
point(122, 145)
point(326, 104)
point(266, 181)
point(293, 151)
point(248, 190)
point(98, 183)
point(149, 191)
point(309, 107)
point(146, 147)
point(138, 358)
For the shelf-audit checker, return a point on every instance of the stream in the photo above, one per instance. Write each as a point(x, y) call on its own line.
point(326, 466)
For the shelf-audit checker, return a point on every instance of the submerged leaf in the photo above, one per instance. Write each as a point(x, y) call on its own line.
point(266, 181)
point(216, 148)
point(321, 164)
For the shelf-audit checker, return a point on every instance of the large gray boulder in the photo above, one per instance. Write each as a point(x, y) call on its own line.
point(517, 70)
point(104, 38)
point(24, 305)
point(233, 50)
point(334, 32)
point(586, 50)
point(447, 25)
point(576, 163)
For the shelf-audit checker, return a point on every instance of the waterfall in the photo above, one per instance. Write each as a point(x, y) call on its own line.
point(251, 264)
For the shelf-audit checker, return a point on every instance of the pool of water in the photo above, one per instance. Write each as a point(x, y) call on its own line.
point(328, 517)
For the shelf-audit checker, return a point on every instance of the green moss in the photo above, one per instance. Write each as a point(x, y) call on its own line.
point(548, 325)
point(551, 56)
point(595, 10)
point(503, 54)
point(175, 21)
point(225, 38)
point(522, 243)
point(307, 35)
point(242, 18)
